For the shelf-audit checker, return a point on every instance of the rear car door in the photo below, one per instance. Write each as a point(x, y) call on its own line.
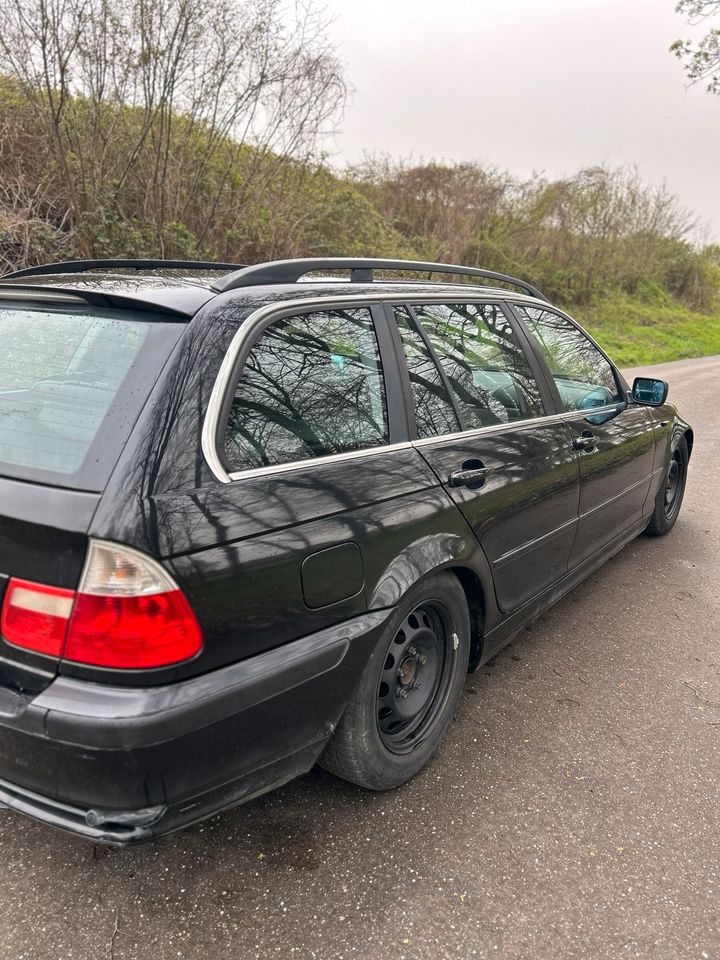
point(615, 440)
point(483, 426)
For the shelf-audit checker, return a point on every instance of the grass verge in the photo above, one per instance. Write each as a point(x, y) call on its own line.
point(636, 333)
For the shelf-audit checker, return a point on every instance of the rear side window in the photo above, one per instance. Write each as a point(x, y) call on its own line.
point(483, 361)
point(582, 375)
point(311, 386)
point(72, 382)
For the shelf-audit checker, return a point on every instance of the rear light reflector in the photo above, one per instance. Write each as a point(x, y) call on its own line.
point(128, 614)
point(35, 617)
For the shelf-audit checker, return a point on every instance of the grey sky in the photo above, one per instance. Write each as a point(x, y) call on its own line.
point(528, 86)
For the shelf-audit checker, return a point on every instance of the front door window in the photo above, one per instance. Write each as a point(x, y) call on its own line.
point(582, 375)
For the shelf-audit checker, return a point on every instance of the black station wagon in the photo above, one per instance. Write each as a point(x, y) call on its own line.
point(252, 519)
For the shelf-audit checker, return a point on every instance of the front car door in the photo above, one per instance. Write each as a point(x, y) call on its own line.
point(615, 440)
point(483, 427)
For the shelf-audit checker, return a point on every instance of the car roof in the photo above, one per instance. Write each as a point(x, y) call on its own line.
point(181, 288)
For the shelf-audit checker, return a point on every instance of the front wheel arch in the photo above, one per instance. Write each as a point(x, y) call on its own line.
point(689, 440)
point(669, 497)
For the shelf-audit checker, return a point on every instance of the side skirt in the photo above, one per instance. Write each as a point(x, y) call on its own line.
point(506, 631)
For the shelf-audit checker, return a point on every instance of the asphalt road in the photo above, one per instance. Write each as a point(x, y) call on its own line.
point(573, 812)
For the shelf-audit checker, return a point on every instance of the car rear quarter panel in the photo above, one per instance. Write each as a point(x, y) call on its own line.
point(246, 583)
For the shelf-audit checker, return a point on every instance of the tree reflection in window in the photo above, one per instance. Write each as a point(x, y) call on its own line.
point(311, 386)
point(483, 361)
point(583, 376)
point(434, 412)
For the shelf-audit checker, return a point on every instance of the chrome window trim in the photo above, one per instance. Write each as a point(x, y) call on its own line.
point(256, 321)
point(511, 424)
point(486, 431)
point(276, 468)
point(616, 407)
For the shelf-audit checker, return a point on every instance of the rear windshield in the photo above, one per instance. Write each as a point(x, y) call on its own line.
point(72, 383)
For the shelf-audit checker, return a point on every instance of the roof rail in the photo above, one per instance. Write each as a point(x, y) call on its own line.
point(81, 266)
point(361, 271)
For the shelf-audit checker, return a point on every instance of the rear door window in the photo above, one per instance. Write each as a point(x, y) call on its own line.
point(434, 411)
point(312, 386)
point(72, 382)
point(483, 361)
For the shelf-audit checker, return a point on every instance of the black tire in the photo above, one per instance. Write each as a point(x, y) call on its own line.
point(409, 690)
point(670, 495)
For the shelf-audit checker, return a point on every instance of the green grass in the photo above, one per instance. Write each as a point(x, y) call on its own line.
point(636, 332)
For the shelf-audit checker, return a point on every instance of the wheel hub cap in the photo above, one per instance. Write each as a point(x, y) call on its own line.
point(406, 671)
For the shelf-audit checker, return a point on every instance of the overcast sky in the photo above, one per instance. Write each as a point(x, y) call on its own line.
point(529, 86)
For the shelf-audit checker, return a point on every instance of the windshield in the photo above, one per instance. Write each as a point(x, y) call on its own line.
point(72, 383)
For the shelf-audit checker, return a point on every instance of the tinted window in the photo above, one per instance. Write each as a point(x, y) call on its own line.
point(583, 376)
point(483, 361)
point(312, 385)
point(73, 380)
point(433, 410)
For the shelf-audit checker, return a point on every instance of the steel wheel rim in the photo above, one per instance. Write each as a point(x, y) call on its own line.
point(415, 678)
point(673, 485)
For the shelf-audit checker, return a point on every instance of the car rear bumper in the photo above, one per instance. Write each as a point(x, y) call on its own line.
point(120, 764)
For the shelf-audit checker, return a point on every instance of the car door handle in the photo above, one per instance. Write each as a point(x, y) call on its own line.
point(586, 441)
point(466, 478)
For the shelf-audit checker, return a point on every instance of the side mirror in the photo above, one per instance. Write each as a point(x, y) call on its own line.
point(652, 393)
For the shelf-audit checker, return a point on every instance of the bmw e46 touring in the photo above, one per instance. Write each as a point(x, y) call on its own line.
point(256, 518)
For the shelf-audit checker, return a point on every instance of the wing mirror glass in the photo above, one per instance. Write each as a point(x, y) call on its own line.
point(653, 393)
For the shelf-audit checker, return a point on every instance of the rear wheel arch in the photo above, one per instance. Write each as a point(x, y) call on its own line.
point(475, 597)
point(431, 554)
point(441, 553)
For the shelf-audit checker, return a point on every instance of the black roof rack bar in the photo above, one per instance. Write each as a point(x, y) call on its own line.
point(361, 271)
point(81, 266)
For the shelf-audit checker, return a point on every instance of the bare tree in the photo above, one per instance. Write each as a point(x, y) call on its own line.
point(148, 105)
point(447, 204)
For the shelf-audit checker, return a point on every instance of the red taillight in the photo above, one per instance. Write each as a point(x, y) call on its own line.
point(35, 617)
point(132, 632)
point(128, 613)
